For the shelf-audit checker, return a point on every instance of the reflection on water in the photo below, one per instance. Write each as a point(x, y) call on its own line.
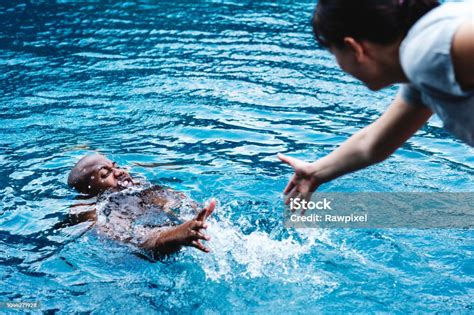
point(200, 96)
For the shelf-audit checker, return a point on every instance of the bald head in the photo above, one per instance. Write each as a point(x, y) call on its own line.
point(80, 176)
point(95, 173)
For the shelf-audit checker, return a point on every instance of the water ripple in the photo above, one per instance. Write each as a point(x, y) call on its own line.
point(201, 96)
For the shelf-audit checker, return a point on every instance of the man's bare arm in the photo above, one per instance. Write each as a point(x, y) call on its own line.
point(167, 240)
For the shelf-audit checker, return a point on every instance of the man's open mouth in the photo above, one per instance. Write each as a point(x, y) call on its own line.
point(125, 181)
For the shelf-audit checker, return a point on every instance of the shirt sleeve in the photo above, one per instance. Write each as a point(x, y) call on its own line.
point(425, 53)
point(411, 95)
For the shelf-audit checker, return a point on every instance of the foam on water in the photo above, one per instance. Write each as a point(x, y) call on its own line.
point(236, 254)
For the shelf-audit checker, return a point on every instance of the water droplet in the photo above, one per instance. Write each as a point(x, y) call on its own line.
point(92, 177)
point(89, 186)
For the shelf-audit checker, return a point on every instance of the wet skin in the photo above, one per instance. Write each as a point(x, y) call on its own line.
point(105, 174)
point(100, 174)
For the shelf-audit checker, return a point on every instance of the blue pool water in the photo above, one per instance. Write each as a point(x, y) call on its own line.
point(200, 96)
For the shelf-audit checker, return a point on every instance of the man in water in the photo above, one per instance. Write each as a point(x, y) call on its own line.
point(145, 217)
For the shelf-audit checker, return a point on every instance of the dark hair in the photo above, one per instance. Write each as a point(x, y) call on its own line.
point(378, 21)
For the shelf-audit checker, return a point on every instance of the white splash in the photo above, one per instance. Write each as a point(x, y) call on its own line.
point(234, 254)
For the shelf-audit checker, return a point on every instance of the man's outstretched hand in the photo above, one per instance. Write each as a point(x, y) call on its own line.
point(189, 233)
point(303, 182)
point(201, 217)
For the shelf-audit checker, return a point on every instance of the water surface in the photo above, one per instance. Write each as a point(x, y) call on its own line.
point(200, 96)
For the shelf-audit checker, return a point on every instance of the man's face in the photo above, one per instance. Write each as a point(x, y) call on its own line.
point(105, 174)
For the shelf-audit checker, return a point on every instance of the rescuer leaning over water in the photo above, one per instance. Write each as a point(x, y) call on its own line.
point(425, 46)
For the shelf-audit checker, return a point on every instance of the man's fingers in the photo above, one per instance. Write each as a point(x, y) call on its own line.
point(210, 207)
point(201, 215)
point(200, 246)
point(197, 225)
point(206, 211)
point(200, 236)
